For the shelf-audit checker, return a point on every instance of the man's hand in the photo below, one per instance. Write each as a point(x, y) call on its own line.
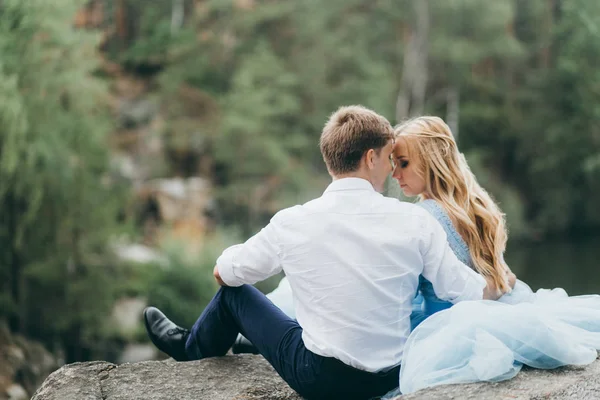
point(217, 276)
point(490, 292)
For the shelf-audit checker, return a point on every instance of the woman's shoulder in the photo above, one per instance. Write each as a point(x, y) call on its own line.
point(435, 209)
point(428, 204)
point(455, 240)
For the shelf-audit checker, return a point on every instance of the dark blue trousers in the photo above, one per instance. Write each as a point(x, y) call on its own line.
point(278, 338)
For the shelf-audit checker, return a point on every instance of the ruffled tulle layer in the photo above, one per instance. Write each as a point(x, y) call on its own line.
point(490, 340)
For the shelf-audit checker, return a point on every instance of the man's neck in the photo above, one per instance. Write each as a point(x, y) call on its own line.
point(357, 175)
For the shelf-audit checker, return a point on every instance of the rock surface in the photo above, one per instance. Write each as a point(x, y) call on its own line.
point(240, 377)
point(529, 384)
point(250, 377)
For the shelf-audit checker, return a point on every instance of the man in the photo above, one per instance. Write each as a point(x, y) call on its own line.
point(352, 258)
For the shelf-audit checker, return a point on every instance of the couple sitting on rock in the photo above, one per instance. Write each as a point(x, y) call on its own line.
point(370, 280)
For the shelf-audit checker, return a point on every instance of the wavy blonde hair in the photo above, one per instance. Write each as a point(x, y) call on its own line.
point(449, 181)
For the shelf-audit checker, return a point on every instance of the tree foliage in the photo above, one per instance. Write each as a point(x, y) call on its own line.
point(514, 79)
point(57, 206)
point(244, 88)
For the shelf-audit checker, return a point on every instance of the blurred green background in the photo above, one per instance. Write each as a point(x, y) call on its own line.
point(140, 138)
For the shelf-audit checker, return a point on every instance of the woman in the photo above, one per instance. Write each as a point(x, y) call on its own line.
point(429, 165)
point(480, 340)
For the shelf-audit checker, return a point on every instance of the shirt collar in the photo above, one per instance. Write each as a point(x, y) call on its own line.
point(349, 184)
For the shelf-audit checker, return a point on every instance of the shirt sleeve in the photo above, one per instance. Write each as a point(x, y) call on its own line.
point(452, 280)
point(253, 261)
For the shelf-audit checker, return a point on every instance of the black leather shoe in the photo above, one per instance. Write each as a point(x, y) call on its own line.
point(243, 345)
point(168, 337)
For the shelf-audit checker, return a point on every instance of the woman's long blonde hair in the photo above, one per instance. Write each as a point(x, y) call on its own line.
point(449, 180)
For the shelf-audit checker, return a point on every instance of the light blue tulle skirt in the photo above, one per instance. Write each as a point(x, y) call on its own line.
point(477, 341)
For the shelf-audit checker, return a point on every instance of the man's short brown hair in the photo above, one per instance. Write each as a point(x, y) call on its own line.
point(349, 133)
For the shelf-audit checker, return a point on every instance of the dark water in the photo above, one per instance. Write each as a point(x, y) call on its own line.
point(573, 264)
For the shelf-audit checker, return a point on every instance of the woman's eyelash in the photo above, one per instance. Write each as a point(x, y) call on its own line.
point(403, 164)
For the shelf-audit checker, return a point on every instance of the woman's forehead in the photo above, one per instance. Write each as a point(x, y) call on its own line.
point(401, 147)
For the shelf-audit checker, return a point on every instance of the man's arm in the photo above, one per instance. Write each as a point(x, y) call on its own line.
point(451, 279)
point(251, 262)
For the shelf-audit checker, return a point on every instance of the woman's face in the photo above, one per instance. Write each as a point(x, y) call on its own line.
point(406, 170)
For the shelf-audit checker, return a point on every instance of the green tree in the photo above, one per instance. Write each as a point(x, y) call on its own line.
point(506, 76)
point(563, 148)
point(58, 206)
point(277, 73)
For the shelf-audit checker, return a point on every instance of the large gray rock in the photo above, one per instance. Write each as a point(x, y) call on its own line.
point(250, 377)
point(245, 377)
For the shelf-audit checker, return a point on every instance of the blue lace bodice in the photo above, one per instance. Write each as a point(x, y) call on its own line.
point(457, 244)
point(431, 303)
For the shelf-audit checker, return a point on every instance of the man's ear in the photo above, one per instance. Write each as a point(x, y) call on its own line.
point(369, 156)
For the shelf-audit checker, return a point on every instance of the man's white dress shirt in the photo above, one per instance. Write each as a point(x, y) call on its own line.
point(353, 258)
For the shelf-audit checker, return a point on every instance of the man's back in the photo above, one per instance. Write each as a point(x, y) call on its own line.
point(353, 258)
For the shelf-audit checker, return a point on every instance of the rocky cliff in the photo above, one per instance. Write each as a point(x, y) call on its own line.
point(250, 377)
